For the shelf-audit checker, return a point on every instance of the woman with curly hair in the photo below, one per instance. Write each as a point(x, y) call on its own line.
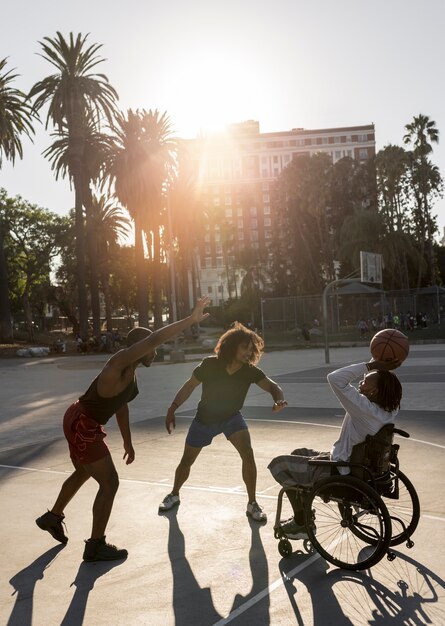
point(226, 378)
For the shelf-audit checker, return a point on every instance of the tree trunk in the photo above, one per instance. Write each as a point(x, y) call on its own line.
point(28, 313)
point(157, 287)
point(141, 277)
point(6, 335)
point(80, 256)
point(93, 259)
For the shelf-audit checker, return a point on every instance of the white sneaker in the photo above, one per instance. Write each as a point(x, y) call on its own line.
point(169, 502)
point(256, 512)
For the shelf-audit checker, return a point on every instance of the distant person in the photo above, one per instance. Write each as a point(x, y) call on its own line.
point(363, 327)
point(109, 394)
point(225, 378)
point(305, 333)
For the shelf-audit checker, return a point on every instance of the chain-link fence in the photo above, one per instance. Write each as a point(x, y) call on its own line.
point(297, 319)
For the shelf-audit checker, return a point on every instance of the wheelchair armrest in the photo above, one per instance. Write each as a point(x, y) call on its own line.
point(343, 464)
point(325, 462)
point(402, 433)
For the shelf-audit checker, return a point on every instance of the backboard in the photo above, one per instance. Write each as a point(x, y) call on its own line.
point(370, 267)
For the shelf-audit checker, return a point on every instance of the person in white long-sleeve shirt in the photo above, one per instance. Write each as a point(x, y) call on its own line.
point(369, 407)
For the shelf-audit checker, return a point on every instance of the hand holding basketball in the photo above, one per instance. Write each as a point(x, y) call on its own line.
point(389, 345)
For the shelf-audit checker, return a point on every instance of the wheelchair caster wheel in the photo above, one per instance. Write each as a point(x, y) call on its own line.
point(390, 556)
point(409, 543)
point(285, 548)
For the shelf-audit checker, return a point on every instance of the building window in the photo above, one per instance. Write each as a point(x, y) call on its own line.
point(208, 262)
point(337, 154)
point(362, 138)
point(208, 249)
point(253, 223)
point(228, 200)
point(207, 237)
point(348, 139)
point(239, 212)
point(349, 153)
point(265, 186)
point(215, 201)
point(275, 159)
point(363, 153)
point(220, 288)
point(240, 223)
point(240, 235)
point(217, 236)
point(255, 245)
point(253, 211)
point(210, 289)
point(286, 159)
point(219, 261)
point(267, 221)
point(266, 209)
point(228, 212)
point(218, 248)
point(324, 140)
point(264, 173)
point(266, 197)
point(253, 235)
point(268, 234)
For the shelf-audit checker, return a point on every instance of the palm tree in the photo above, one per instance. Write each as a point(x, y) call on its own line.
point(421, 133)
point(76, 95)
point(16, 118)
point(97, 149)
point(142, 161)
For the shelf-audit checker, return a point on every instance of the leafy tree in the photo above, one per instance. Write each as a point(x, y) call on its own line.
point(75, 95)
point(16, 119)
point(35, 237)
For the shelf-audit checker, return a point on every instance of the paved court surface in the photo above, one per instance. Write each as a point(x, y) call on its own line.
point(206, 563)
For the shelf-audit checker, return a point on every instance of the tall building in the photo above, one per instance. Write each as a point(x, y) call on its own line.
point(235, 171)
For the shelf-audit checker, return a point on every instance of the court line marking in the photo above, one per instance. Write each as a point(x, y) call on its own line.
point(267, 591)
point(257, 419)
point(230, 491)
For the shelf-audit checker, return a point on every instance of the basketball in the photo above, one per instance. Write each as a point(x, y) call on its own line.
point(389, 344)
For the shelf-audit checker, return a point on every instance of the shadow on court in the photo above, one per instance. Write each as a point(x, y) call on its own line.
point(406, 592)
point(84, 582)
point(193, 604)
point(24, 583)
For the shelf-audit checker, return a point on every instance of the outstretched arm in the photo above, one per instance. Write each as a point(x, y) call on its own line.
point(130, 355)
point(183, 394)
point(275, 391)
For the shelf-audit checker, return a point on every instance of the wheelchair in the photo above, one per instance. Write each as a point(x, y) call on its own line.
point(353, 520)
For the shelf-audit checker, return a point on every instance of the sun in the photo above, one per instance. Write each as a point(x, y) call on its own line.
point(211, 91)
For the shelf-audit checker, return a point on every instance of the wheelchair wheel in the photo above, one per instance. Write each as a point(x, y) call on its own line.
point(406, 509)
point(351, 524)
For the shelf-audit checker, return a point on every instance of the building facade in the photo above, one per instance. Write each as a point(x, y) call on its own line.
point(235, 172)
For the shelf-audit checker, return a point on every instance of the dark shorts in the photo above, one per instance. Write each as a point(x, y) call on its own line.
point(201, 435)
point(85, 436)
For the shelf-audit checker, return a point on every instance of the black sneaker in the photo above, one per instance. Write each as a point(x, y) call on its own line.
point(99, 550)
point(53, 524)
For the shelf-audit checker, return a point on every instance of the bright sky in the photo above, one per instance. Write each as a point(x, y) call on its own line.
point(286, 63)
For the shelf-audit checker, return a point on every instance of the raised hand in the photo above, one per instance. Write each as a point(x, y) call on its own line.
point(198, 314)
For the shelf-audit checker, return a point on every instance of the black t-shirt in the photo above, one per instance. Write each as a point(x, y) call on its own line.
point(223, 394)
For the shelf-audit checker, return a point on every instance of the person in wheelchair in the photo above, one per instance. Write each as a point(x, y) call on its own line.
point(370, 406)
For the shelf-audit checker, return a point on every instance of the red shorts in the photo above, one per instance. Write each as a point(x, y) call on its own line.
point(85, 436)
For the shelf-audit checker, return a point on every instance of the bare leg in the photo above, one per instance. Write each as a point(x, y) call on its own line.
point(183, 470)
point(70, 487)
point(241, 441)
point(104, 473)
